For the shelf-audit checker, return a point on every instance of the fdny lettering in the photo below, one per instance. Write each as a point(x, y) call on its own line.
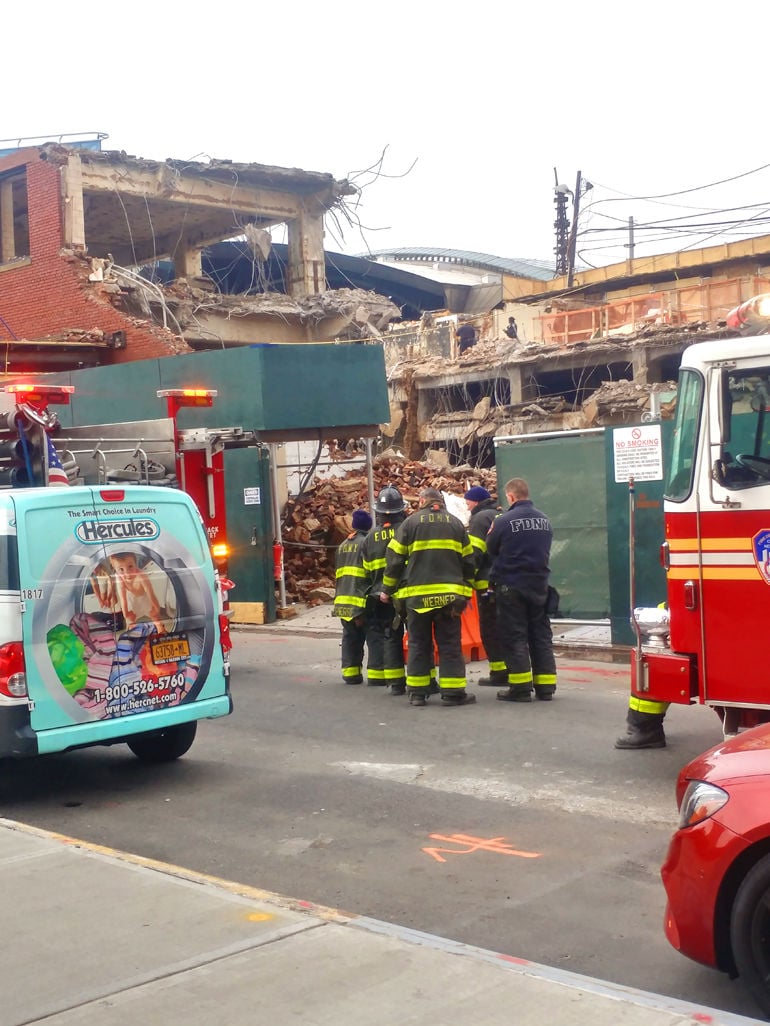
point(385, 535)
point(529, 524)
point(348, 546)
point(435, 518)
point(94, 531)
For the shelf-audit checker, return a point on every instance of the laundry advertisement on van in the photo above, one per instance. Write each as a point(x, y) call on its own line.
point(125, 611)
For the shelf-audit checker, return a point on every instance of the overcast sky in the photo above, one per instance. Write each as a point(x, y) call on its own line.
point(469, 107)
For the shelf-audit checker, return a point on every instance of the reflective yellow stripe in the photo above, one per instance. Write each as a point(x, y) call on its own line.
point(436, 589)
point(453, 682)
point(715, 573)
point(520, 678)
point(351, 671)
point(497, 665)
point(350, 571)
point(396, 545)
point(708, 544)
point(393, 674)
point(443, 544)
point(545, 678)
point(645, 705)
point(478, 543)
point(374, 564)
point(422, 681)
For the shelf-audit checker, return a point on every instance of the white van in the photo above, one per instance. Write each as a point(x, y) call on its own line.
point(112, 627)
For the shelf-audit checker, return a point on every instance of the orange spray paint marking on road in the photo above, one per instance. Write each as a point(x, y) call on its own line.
point(497, 845)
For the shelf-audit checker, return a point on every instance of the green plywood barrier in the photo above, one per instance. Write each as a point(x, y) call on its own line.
point(566, 478)
point(572, 479)
point(292, 391)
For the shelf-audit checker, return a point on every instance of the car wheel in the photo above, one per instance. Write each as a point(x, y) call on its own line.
point(750, 932)
point(164, 745)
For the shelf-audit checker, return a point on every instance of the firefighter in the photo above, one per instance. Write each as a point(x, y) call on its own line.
point(484, 509)
point(644, 724)
point(350, 598)
point(384, 625)
point(519, 543)
point(429, 565)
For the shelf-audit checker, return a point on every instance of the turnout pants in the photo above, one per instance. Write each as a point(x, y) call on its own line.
point(524, 631)
point(445, 629)
point(352, 654)
point(384, 645)
point(489, 638)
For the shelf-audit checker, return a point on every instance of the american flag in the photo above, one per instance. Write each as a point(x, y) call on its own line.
point(57, 475)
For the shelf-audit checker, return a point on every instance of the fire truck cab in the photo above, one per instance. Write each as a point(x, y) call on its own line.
point(716, 551)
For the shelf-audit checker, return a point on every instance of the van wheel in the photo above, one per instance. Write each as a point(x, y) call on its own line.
point(164, 745)
point(750, 932)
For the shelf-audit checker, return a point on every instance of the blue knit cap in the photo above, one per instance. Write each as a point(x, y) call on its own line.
point(477, 494)
point(361, 520)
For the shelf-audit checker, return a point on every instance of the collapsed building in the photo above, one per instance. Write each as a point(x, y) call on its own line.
point(603, 351)
point(102, 258)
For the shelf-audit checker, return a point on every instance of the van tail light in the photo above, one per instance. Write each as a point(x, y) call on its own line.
point(13, 672)
point(224, 632)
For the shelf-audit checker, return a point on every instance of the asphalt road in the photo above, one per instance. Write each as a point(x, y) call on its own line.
point(516, 828)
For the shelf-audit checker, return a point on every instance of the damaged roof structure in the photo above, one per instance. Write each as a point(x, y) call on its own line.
point(602, 351)
point(83, 231)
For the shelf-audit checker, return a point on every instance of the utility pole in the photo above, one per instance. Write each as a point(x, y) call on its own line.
point(561, 225)
point(630, 239)
point(573, 231)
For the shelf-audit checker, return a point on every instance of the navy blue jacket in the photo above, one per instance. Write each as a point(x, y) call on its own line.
point(519, 543)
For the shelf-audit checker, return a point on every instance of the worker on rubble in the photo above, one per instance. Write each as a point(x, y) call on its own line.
point(350, 598)
point(429, 564)
point(483, 509)
point(384, 624)
point(466, 337)
point(519, 543)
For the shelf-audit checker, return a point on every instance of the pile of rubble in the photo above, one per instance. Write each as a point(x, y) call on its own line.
point(317, 521)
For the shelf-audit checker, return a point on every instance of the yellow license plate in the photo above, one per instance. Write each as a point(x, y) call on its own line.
point(170, 650)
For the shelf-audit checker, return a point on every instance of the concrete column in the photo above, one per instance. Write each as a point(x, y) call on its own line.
point(516, 383)
point(306, 273)
point(7, 240)
point(640, 366)
point(188, 262)
point(74, 213)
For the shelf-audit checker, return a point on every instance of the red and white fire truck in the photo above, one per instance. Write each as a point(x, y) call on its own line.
point(708, 647)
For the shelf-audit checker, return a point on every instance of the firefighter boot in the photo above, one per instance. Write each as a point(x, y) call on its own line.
point(644, 730)
point(515, 693)
point(398, 689)
point(457, 696)
point(495, 679)
point(417, 696)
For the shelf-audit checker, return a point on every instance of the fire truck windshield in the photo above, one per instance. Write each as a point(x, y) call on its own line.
point(688, 415)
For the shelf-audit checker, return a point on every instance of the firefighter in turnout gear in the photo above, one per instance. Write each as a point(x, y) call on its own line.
point(484, 509)
point(519, 543)
point(644, 724)
point(429, 565)
point(350, 598)
point(384, 624)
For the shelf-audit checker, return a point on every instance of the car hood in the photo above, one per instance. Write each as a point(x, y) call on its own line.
point(746, 755)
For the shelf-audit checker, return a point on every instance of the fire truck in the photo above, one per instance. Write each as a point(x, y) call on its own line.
point(707, 644)
point(149, 452)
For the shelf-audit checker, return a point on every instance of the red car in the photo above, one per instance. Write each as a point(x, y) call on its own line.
point(717, 870)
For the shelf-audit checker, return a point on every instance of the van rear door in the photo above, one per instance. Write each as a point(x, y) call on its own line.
point(119, 616)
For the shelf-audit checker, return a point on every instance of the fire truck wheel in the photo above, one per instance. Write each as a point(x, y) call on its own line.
point(750, 932)
point(163, 745)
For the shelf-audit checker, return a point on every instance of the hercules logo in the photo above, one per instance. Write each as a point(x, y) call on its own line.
point(93, 532)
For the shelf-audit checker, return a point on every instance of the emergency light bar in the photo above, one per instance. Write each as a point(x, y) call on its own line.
point(189, 396)
point(753, 315)
point(29, 393)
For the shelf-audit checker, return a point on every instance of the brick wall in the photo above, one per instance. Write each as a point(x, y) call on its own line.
point(51, 295)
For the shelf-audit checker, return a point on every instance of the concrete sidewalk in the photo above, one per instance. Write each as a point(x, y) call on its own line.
point(94, 937)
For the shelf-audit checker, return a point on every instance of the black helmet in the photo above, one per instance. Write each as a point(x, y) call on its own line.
point(389, 500)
